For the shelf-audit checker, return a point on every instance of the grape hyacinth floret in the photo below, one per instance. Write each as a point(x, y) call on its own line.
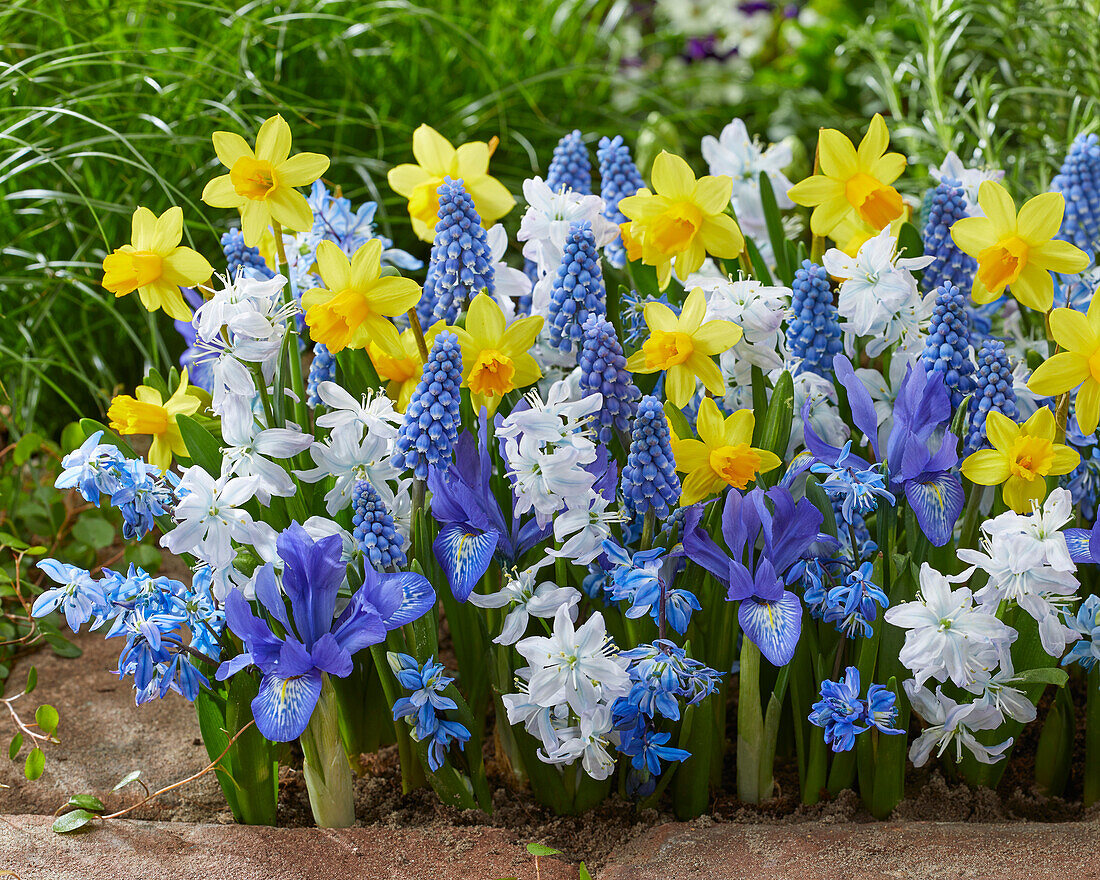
point(374, 530)
point(238, 256)
point(813, 334)
point(619, 178)
point(946, 204)
point(461, 264)
point(569, 167)
point(1079, 182)
point(947, 349)
point(649, 480)
point(993, 391)
point(424, 707)
point(432, 419)
point(578, 288)
point(321, 369)
point(603, 370)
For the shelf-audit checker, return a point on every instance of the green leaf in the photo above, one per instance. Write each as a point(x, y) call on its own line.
point(775, 229)
point(9, 540)
point(32, 680)
point(910, 243)
point(680, 425)
point(90, 426)
point(132, 776)
point(72, 436)
point(35, 763)
point(97, 533)
point(28, 445)
point(537, 849)
point(759, 266)
point(775, 433)
point(86, 802)
point(1044, 675)
point(15, 746)
point(204, 450)
point(46, 718)
point(583, 875)
point(72, 821)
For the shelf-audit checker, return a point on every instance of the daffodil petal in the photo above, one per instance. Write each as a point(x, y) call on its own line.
point(333, 266)
point(1000, 430)
point(672, 176)
point(1040, 218)
point(167, 231)
point(986, 467)
point(836, 155)
point(273, 141)
point(721, 236)
point(1059, 256)
point(302, 169)
point(432, 151)
point(1065, 371)
point(973, 234)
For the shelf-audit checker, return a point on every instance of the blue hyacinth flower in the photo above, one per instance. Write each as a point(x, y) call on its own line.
point(578, 290)
point(649, 480)
point(814, 336)
point(569, 167)
point(1079, 183)
point(619, 178)
point(461, 264)
point(946, 204)
point(603, 371)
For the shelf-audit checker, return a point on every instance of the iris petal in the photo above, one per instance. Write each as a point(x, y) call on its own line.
point(283, 706)
point(464, 556)
point(937, 502)
point(774, 627)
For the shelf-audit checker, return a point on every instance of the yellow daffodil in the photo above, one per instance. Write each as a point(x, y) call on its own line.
point(437, 159)
point(403, 373)
point(683, 347)
point(357, 301)
point(155, 265)
point(496, 357)
point(852, 186)
point(149, 413)
point(853, 233)
point(722, 456)
point(262, 183)
point(683, 219)
point(1021, 458)
point(1078, 364)
point(1017, 252)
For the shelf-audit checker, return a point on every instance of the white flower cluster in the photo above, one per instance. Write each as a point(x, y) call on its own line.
point(573, 678)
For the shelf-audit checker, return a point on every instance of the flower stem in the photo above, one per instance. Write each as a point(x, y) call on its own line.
point(418, 334)
point(325, 764)
point(750, 725)
point(301, 416)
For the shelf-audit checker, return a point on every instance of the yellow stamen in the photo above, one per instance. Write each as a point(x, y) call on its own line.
point(253, 178)
point(674, 229)
point(1001, 264)
point(665, 349)
point(1031, 457)
point(737, 465)
point(876, 203)
point(492, 374)
point(332, 322)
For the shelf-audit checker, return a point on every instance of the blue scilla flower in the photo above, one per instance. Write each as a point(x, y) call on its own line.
point(840, 711)
point(632, 310)
point(1086, 623)
point(425, 705)
point(662, 676)
point(374, 531)
point(649, 480)
point(647, 748)
point(857, 488)
point(1083, 483)
point(239, 256)
point(852, 605)
point(578, 289)
point(951, 266)
point(947, 349)
point(619, 178)
point(432, 418)
point(881, 709)
point(603, 370)
point(321, 369)
point(335, 221)
point(1079, 183)
point(569, 167)
point(993, 391)
point(813, 333)
point(638, 580)
point(461, 264)
point(78, 595)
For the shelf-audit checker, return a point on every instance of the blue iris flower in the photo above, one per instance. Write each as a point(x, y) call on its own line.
point(770, 615)
point(314, 640)
point(473, 526)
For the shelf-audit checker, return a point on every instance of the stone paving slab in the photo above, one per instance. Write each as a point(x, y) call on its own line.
point(183, 851)
point(820, 851)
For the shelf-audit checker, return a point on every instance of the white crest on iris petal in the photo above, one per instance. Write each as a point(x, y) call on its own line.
point(464, 556)
point(283, 706)
point(774, 627)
